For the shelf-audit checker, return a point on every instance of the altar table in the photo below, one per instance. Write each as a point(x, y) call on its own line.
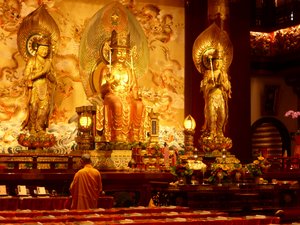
point(236, 199)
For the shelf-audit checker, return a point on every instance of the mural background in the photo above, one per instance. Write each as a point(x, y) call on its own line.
point(162, 87)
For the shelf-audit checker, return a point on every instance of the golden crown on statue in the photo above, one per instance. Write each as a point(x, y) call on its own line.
point(43, 40)
point(120, 40)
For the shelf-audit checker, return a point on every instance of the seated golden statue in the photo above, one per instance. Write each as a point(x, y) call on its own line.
point(216, 89)
point(40, 78)
point(123, 108)
point(113, 55)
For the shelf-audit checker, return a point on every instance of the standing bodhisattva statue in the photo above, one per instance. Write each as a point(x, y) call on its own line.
point(212, 55)
point(37, 38)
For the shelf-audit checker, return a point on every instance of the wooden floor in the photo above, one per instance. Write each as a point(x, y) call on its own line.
point(171, 215)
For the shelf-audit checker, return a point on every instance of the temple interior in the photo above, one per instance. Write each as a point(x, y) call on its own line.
point(190, 110)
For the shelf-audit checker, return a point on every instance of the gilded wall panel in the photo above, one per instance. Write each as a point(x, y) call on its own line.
point(162, 87)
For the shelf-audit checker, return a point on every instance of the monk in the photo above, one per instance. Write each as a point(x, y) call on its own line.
point(86, 186)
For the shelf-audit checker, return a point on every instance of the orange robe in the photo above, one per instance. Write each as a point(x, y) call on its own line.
point(86, 188)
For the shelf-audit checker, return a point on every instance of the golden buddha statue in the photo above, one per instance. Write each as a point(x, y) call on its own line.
point(122, 105)
point(113, 56)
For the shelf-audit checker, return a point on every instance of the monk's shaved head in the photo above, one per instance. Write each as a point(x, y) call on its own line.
point(86, 158)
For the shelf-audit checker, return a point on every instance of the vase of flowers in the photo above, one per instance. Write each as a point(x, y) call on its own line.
point(223, 170)
point(294, 115)
point(181, 171)
point(257, 167)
